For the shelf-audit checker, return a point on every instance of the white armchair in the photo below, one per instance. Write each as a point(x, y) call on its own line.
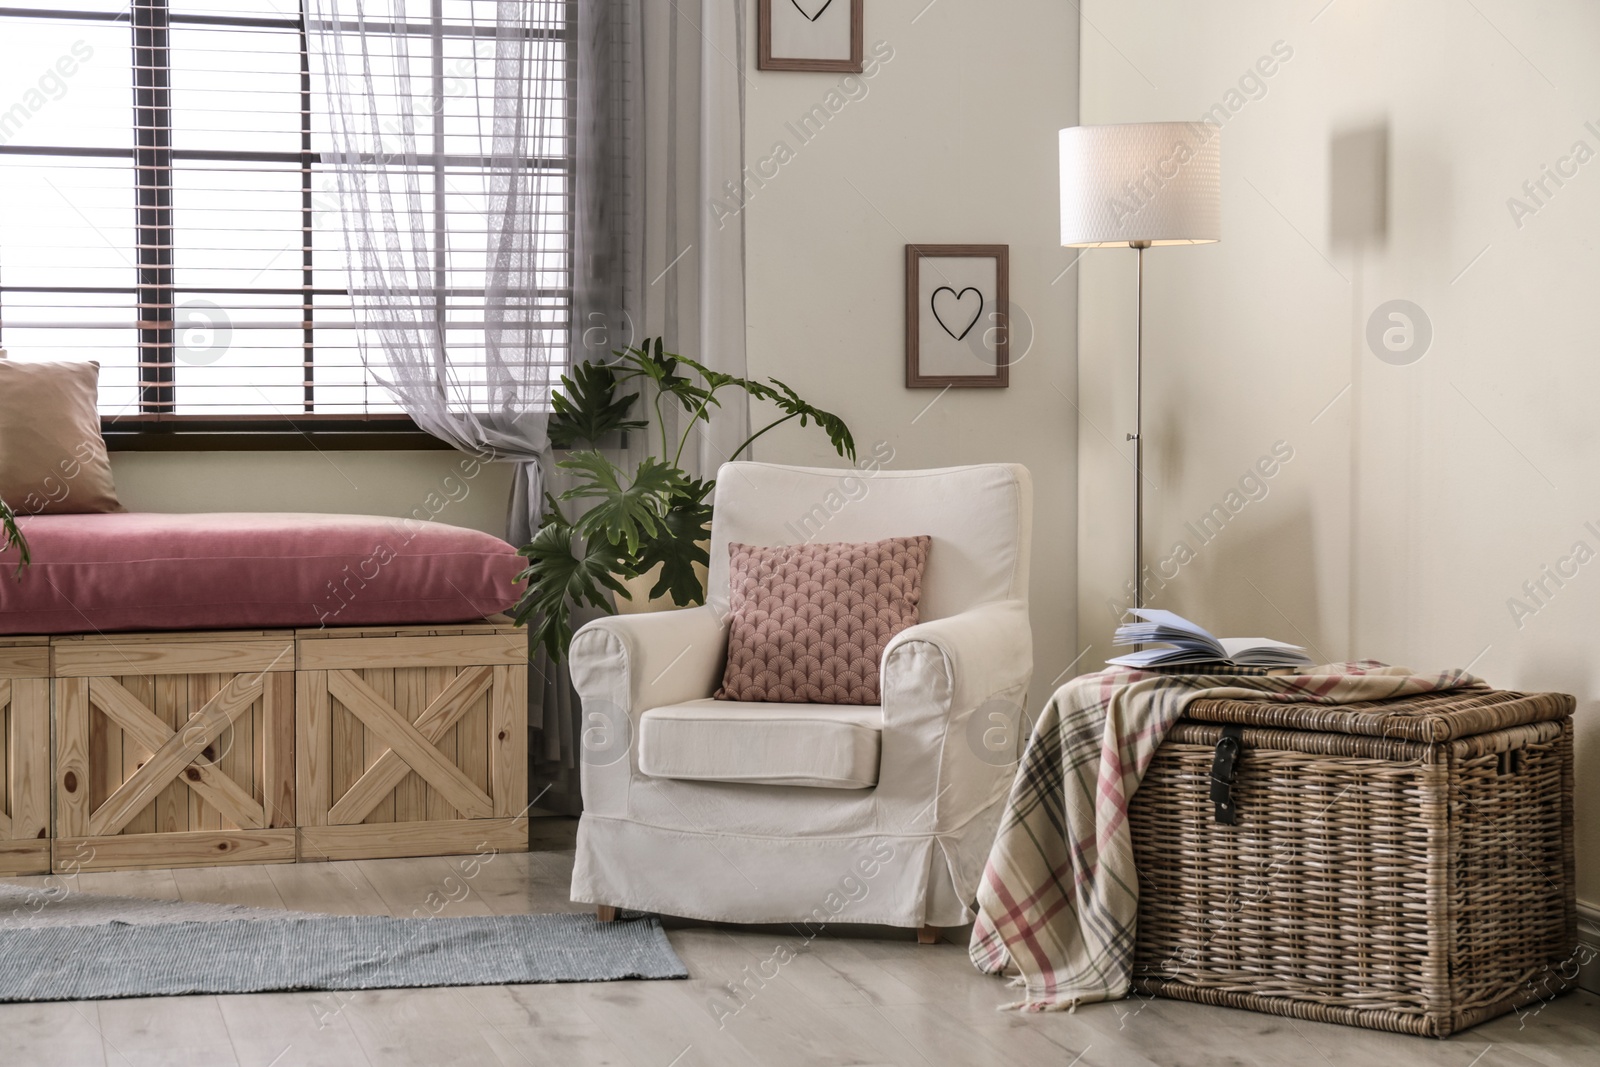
point(762, 812)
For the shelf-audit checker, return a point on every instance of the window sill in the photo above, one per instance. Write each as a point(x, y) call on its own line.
point(267, 433)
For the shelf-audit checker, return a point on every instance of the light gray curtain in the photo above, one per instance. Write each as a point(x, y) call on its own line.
point(725, 71)
point(446, 127)
point(660, 119)
point(688, 253)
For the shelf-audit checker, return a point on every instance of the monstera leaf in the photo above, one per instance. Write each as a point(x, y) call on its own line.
point(622, 514)
point(11, 535)
point(676, 546)
point(587, 407)
point(665, 371)
point(562, 573)
point(714, 379)
point(791, 403)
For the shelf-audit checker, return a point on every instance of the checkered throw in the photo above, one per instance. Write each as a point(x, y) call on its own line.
point(1060, 894)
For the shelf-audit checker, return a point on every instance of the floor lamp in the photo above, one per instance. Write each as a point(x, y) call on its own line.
point(1135, 185)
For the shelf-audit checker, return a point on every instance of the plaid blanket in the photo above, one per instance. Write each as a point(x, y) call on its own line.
point(1060, 894)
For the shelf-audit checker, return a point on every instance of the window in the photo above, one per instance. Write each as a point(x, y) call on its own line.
point(165, 210)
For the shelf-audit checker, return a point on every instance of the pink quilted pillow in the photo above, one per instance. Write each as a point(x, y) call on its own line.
point(810, 622)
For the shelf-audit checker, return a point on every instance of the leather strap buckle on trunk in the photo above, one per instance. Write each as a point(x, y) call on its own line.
point(1229, 748)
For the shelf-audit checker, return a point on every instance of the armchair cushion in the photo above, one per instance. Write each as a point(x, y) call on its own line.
point(819, 745)
point(809, 622)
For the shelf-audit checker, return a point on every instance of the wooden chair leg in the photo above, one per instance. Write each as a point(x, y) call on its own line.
point(927, 935)
point(606, 913)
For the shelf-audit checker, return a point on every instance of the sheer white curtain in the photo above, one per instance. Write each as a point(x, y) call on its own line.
point(447, 131)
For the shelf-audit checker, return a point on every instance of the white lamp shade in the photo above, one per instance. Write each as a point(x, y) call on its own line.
point(1142, 182)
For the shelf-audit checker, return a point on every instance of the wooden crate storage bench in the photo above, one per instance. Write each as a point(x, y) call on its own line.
point(266, 746)
point(1402, 865)
point(174, 750)
point(24, 755)
point(412, 741)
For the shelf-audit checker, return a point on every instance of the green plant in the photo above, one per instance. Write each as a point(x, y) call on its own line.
point(655, 514)
point(11, 535)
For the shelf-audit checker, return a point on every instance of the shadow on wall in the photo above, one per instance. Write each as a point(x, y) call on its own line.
point(1358, 186)
point(1358, 225)
point(1257, 580)
point(1567, 670)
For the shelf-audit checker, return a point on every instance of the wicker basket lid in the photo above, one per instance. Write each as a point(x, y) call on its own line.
point(1426, 717)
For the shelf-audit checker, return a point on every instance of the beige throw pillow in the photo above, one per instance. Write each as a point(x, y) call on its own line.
point(52, 457)
point(810, 622)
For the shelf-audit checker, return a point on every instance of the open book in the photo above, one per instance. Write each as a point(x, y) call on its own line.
point(1187, 643)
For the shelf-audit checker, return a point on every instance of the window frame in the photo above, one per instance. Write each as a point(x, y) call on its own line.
point(155, 427)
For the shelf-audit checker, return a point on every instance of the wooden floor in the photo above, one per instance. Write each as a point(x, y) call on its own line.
point(841, 1000)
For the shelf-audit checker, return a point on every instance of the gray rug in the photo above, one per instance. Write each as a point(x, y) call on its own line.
point(324, 952)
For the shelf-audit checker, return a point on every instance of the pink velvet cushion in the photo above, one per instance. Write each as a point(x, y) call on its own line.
point(145, 571)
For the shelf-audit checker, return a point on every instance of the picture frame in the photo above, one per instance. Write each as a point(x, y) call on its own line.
point(814, 35)
point(958, 305)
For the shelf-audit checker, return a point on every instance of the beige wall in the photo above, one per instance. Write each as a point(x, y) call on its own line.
point(951, 140)
point(1420, 497)
point(423, 484)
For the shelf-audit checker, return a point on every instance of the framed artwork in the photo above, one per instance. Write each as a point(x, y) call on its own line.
point(823, 35)
point(958, 301)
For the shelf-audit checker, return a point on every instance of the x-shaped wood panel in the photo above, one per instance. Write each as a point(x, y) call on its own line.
point(411, 746)
point(175, 754)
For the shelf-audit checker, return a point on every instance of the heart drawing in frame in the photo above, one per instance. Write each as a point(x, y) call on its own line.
point(955, 304)
point(798, 7)
point(957, 312)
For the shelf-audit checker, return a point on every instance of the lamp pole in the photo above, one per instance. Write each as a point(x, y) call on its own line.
point(1137, 436)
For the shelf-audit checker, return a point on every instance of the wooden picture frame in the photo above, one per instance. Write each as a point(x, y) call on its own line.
point(785, 34)
point(949, 341)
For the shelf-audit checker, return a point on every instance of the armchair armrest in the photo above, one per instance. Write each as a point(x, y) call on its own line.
point(936, 678)
point(646, 661)
point(624, 665)
point(984, 652)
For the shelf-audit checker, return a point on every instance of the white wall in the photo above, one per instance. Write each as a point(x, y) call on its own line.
point(949, 141)
point(1420, 497)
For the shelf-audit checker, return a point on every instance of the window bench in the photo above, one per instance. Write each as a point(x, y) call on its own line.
point(201, 748)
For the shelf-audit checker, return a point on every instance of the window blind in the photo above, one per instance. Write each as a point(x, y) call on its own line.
point(165, 208)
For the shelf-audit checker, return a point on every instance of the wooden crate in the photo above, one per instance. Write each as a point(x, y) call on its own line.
point(412, 740)
point(174, 750)
point(24, 755)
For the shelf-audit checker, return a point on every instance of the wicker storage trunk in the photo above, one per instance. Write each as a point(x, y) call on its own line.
point(1404, 866)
